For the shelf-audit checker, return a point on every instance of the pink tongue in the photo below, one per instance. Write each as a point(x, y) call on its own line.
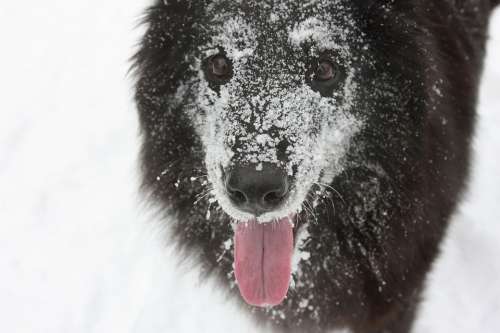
point(262, 258)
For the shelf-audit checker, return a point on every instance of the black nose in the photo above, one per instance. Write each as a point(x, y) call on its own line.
point(257, 191)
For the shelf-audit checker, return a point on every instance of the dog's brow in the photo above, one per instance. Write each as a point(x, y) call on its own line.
point(306, 30)
point(326, 35)
point(236, 36)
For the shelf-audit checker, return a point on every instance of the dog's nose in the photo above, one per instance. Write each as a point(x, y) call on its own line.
point(257, 191)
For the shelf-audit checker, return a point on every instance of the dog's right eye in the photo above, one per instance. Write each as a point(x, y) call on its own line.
point(325, 71)
point(324, 75)
point(218, 69)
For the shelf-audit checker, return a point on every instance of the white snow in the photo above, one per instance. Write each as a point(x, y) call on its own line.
point(79, 253)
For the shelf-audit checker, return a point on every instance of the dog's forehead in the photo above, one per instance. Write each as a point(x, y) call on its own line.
point(270, 29)
point(278, 12)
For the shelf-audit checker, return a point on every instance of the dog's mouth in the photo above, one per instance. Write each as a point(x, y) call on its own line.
point(265, 204)
point(263, 260)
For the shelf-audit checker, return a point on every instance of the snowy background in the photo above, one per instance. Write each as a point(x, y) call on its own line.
point(78, 250)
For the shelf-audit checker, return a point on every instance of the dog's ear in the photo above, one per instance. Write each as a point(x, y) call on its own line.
point(161, 62)
point(169, 32)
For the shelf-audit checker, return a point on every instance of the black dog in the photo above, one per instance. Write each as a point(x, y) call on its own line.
point(321, 145)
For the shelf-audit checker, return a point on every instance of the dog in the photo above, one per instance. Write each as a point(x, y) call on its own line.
point(310, 153)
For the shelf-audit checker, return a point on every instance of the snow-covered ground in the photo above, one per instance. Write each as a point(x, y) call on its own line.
point(78, 251)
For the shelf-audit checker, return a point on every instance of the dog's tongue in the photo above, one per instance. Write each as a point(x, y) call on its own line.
point(262, 258)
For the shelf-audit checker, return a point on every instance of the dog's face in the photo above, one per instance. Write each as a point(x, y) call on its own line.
point(273, 99)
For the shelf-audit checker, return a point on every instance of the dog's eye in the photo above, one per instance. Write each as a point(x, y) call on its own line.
point(324, 75)
point(325, 71)
point(218, 68)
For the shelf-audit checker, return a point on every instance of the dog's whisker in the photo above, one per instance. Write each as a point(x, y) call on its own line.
point(311, 207)
point(202, 195)
point(333, 189)
point(193, 178)
point(330, 199)
point(308, 210)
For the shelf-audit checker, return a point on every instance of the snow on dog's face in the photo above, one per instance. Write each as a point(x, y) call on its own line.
point(276, 92)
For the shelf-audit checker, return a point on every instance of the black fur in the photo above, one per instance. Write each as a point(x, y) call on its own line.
point(370, 254)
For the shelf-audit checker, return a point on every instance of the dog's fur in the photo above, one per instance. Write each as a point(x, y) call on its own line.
point(371, 241)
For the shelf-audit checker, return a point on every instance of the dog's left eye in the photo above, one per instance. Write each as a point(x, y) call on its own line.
point(324, 75)
point(325, 71)
point(218, 68)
